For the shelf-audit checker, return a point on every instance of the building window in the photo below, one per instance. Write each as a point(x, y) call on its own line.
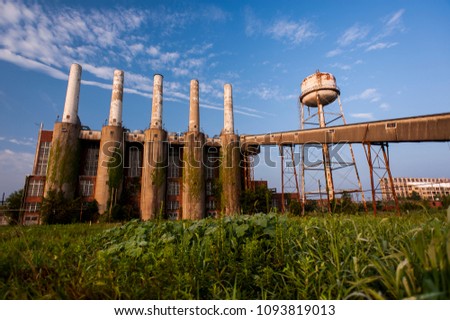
point(209, 188)
point(35, 188)
point(32, 206)
point(86, 188)
point(173, 205)
point(91, 161)
point(211, 165)
point(135, 163)
point(211, 205)
point(42, 161)
point(173, 188)
point(174, 163)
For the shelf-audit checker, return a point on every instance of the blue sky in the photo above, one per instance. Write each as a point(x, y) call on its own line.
point(390, 58)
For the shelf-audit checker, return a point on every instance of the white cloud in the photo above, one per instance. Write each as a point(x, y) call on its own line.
point(26, 63)
point(385, 106)
point(380, 46)
point(291, 31)
point(153, 51)
point(333, 53)
point(285, 30)
point(253, 25)
point(365, 116)
point(341, 66)
point(100, 72)
point(370, 94)
point(265, 92)
point(393, 22)
point(14, 166)
point(355, 32)
point(23, 141)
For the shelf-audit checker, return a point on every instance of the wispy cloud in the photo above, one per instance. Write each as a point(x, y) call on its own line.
point(281, 29)
point(365, 116)
point(352, 34)
point(292, 31)
point(12, 165)
point(369, 38)
point(334, 52)
point(253, 25)
point(393, 22)
point(23, 62)
point(20, 141)
point(380, 46)
point(385, 106)
point(341, 66)
point(44, 39)
point(370, 94)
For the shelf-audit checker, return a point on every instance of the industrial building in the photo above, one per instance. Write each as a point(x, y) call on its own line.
point(178, 176)
point(427, 188)
point(192, 176)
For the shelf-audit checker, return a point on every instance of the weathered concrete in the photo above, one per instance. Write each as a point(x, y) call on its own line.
point(228, 119)
point(63, 165)
point(230, 174)
point(64, 160)
point(111, 145)
point(193, 196)
point(153, 183)
point(157, 102)
point(194, 114)
point(115, 109)
point(230, 170)
point(70, 114)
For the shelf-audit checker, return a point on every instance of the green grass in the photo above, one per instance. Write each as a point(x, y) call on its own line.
point(247, 257)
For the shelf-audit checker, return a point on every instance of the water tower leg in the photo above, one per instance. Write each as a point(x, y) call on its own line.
point(367, 149)
point(391, 181)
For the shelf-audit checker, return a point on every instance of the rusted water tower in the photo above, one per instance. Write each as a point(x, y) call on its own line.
point(318, 91)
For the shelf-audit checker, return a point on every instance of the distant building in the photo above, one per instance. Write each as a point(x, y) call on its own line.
point(426, 188)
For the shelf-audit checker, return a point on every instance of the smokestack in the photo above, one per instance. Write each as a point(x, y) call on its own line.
point(156, 121)
point(194, 119)
point(72, 95)
point(228, 125)
point(115, 109)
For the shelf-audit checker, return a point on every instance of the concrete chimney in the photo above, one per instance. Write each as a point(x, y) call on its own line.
point(157, 103)
point(228, 124)
point(115, 109)
point(194, 119)
point(72, 95)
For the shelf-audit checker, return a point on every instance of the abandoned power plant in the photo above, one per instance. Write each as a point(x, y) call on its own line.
point(192, 176)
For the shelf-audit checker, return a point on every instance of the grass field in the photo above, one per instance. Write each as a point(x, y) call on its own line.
point(247, 257)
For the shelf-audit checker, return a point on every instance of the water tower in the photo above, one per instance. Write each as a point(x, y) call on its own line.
point(318, 91)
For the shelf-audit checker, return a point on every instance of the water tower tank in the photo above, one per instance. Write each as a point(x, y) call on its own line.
point(320, 86)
